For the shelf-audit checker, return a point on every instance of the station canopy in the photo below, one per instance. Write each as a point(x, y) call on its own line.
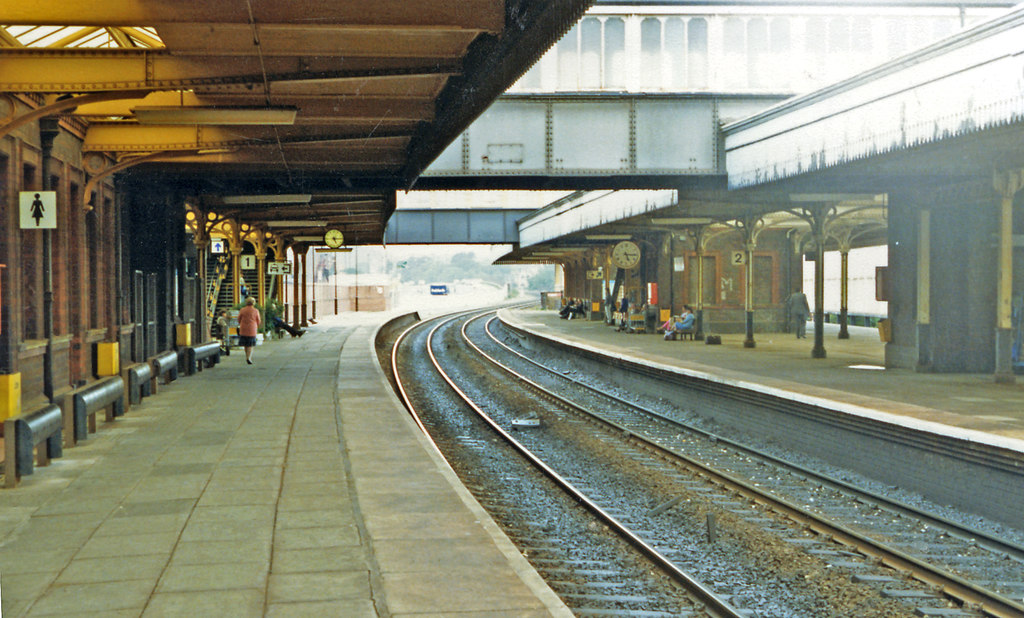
point(294, 115)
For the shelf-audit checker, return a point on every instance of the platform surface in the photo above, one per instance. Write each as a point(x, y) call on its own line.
point(851, 374)
point(297, 486)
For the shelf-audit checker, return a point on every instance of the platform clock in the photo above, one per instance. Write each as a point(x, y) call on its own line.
point(626, 254)
point(334, 238)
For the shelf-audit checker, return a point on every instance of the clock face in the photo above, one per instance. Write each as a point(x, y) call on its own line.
point(334, 238)
point(626, 254)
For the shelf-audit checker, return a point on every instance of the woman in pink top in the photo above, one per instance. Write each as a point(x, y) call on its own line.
point(248, 325)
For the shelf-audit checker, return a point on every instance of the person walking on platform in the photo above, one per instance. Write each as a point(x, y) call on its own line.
point(248, 325)
point(799, 310)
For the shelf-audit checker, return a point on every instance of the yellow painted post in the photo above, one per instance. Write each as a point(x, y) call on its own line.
point(10, 395)
point(183, 335)
point(108, 359)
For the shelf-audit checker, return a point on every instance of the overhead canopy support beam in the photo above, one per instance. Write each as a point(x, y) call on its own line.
point(484, 15)
point(125, 137)
point(90, 70)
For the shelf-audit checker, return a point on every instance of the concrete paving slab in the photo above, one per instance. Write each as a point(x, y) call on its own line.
point(313, 560)
point(222, 552)
point(308, 538)
point(418, 591)
point(350, 608)
point(206, 577)
point(128, 545)
point(113, 569)
point(322, 586)
point(220, 603)
point(93, 597)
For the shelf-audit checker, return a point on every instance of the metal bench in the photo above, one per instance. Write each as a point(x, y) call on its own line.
point(21, 435)
point(683, 334)
point(139, 376)
point(105, 394)
point(165, 365)
point(204, 353)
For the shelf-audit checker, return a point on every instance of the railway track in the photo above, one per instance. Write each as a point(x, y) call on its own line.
point(928, 565)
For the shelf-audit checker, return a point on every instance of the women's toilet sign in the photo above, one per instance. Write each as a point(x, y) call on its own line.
point(38, 209)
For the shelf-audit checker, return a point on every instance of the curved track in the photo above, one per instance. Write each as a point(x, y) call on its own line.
point(734, 468)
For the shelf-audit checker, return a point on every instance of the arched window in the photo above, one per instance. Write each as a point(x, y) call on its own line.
point(568, 62)
point(615, 53)
point(757, 52)
point(590, 53)
point(650, 53)
point(697, 52)
point(781, 42)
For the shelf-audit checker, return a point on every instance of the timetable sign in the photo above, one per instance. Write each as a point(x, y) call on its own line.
point(279, 268)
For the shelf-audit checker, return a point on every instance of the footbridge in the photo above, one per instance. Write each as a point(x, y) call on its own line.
point(454, 226)
point(594, 140)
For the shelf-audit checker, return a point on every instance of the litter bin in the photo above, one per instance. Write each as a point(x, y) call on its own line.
point(885, 330)
point(651, 318)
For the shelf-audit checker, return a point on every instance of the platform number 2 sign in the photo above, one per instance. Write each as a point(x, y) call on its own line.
point(739, 258)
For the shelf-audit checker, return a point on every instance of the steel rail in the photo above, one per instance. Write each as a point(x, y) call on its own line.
point(712, 604)
point(982, 538)
point(952, 585)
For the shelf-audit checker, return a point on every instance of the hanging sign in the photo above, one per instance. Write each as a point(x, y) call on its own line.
point(595, 274)
point(739, 258)
point(248, 262)
point(38, 209)
point(279, 268)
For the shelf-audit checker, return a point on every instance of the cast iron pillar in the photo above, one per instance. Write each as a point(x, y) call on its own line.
point(49, 128)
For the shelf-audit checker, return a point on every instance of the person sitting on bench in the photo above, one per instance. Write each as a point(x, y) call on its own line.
point(684, 323)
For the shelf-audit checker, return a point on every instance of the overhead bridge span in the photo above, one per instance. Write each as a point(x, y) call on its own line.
point(597, 140)
point(454, 227)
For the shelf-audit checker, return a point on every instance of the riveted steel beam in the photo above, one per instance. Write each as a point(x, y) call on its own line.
point(485, 15)
point(90, 70)
point(128, 137)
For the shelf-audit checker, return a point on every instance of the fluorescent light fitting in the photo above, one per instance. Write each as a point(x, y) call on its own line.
point(157, 114)
point(286, 198)
point(609, 236)
point(296, 223)
point(308, 238)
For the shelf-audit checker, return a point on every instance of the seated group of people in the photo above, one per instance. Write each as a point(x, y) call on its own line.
point(574, 308)
point(683, 323)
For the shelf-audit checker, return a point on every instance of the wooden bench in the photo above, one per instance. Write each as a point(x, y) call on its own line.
point(105, 394)
point(139, 377)
point(165, 365)
point(21, 435)
point(204, 353)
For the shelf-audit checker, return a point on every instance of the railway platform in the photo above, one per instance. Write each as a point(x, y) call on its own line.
point(852, 376)
point(297, 486)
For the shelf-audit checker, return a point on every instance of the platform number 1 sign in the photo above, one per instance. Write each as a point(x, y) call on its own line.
point(38, 209)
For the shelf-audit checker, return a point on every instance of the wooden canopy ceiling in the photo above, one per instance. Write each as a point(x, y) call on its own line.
point(344, 102)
